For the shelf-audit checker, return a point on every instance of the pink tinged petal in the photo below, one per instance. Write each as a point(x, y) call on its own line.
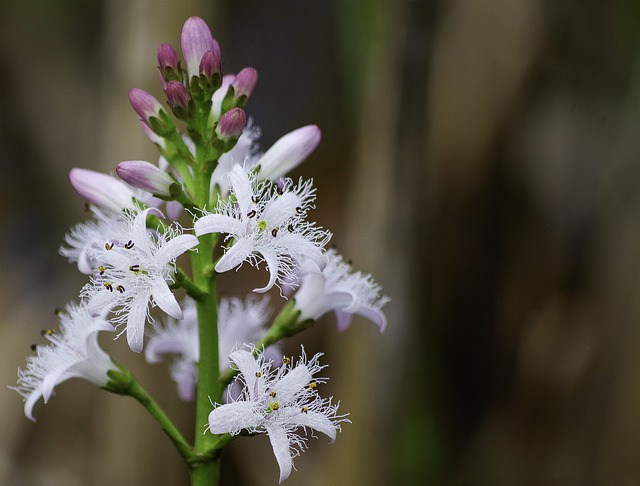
point(344, 320)
point(281, 449)
point(165, 299)
point(184, 374)
point(145, 176)
point(281, 209)
point(135, 322)
point(233, 417)
point(144, 104)
point(196, 40)
point(375, 316)
point(316, 421)
point(238, 253)
point(231, 125)
point(288, 152)
point(158, 346)
point(314, 301)
point(217, 223)
point(245, 82)
point(241, 185)
point(175, 247)
point(273, 265)
point(292, 383)
point(174, 210)
point(104, 191)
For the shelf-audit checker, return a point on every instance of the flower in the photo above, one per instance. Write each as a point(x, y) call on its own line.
point(265, 222)
point(338, 288)
point(73, 352)
point(277, 402)
point(134, 269)
point(239, 322)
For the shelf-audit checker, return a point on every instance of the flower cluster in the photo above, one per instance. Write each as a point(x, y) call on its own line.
point(240, 206)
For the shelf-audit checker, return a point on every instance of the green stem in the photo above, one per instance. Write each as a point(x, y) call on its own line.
point(207, 445)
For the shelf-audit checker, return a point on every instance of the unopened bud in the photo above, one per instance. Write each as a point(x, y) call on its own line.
point(144, 104)
point(145, 176)
point(243, 84)
point(102, 190)
point(178, 98)
point(168, 63)
point(211, 67)
point(288, 152)
point(196, 41)
point(231, 125)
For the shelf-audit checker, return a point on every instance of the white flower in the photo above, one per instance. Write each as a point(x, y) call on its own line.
point(265, 222)
point(73, 352)
point(337, 288)
point(277, 402)
point(134, 269)
point(239, 322)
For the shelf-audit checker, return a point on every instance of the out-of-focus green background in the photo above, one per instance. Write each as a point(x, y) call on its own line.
point(481, 158)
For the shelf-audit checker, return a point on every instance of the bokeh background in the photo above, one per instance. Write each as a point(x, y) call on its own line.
point(481, 158)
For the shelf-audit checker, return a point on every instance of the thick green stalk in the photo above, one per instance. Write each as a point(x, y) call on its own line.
point(209, 389)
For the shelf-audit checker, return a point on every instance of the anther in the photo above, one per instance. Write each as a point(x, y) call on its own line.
point(102, 269)
point(255, 199)
point(47, 332)
point(258, 374)
point(274, 232)
point(313, 385)
point(33, 347)
point(108, 286)
point(298, 210)
point(58, 311)
point(120, 289)
point(134, 268)
point(286, 360)
point(273, 394)
point(129, 245)
point(304, 410)
point(280, 190)
point(251, 213)
point(291, 228)
point(108, 245)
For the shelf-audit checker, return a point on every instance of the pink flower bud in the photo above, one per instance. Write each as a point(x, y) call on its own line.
point(211, 64)
point(231, 125)
point(145, 176)
point(144, 104)
point(102, 190)
point(288, 152)
point(177, 95)
point(196, 41)
point(167, 58)
point(245, 82)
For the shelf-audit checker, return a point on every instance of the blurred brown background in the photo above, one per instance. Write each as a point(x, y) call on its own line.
point(481, 158)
